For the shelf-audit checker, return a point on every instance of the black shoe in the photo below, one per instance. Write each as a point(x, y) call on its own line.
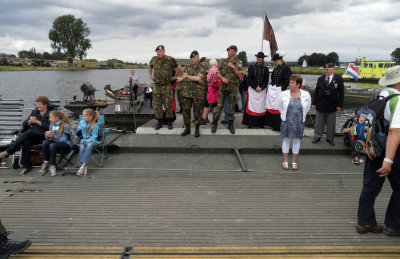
point(330, 142)
point(197, 131)
point(224, 122)
point(214, 126)
point(8, 247)
point(231, 129)
point(158, 125)
point(170, 127)
point(186, 131)
point(315, 140)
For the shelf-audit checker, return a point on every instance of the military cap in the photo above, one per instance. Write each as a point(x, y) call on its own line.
point(160, 47)
point(194, 53)
point(232, 47)
point(329, 65)
point(202, 59)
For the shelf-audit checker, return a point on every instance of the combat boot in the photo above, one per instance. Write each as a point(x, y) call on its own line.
point(186, 131)
point(170, 127)
point(8, 247)
point(158, 125)
point(231, 129)
point(214, 126)
point(197, 131)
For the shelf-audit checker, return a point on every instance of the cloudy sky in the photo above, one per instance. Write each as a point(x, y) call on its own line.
point(131, 29)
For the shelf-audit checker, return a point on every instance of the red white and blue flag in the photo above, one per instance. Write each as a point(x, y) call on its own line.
point(305, 64)
point(352, 71)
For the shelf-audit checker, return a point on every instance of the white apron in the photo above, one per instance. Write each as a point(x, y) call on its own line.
point(256, 101)
point(273, 100)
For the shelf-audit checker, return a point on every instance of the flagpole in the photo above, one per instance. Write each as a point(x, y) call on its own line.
point(262, 37)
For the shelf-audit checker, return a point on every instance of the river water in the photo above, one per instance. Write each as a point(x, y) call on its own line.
point(63, 85)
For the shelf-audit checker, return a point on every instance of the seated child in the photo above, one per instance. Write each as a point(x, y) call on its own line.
point(350, 140)
point(58, 139)
point(88, 130)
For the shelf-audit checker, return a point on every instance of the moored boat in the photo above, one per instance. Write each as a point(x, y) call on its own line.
point(370, 71)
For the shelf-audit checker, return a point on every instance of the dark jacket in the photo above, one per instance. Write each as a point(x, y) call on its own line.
point(258, 76)
point(35, 127)
point(328, 97)
point(280, 76)
point(244, 84)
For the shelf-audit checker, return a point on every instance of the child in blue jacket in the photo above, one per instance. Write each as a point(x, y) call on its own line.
point(88, 129)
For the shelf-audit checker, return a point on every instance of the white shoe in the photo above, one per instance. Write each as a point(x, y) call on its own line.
point(44, 168)
point(53, 170)
point(82, 171)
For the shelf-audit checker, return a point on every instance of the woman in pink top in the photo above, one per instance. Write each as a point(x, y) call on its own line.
point(213, 90)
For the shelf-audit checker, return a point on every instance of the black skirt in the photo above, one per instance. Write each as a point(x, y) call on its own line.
point(253, 121)
point(273, 121)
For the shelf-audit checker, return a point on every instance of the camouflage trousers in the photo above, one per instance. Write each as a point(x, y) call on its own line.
point(3, 231)
point(162, 96)
point(220, 105)
point(187, 104)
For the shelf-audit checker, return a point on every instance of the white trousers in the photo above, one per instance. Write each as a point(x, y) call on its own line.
point(295, 146)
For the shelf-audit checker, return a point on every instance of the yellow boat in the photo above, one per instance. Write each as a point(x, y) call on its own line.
point(370, 71)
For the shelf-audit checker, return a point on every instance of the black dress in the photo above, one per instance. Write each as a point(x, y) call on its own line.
point(280, 77)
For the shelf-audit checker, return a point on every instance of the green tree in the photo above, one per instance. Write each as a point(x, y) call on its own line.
point(396, 55)
point(70, 36)
point(333, 57)
point(243, 57)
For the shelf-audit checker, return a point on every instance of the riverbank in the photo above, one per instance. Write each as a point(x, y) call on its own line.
point(315, 70)
point(66, 68)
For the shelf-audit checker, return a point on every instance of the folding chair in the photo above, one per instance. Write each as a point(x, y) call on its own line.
point(99, 153)
point(11, 112)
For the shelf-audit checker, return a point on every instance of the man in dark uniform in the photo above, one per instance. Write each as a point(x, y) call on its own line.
point(193, 93)
point(387, 165)
point(162, 93)
point(8, 246)
point(230, 71)
point(327, 99)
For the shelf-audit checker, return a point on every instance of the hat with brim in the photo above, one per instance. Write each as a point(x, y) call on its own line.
point(160, 47)
point(391, 77)
point(232, 47)
point(261, 55)
point(329, 65)
point(278, 55)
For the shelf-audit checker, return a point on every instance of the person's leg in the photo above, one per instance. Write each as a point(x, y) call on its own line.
point(167, 101)
point(52, 153)
point(232, 103)
point(187, 110)
point(285, 152)
point(16, 145)
point(244, 99)
point(220, 104)
point(197, 109)
point(157, 103)
point(392, 218)
point(295, 151)
point(226, 108)
point(8, 246)
point(81, 152)
point(3, 231)
point(372, 185)
point(319, 125)
point(45, 150)
point(87, 152)
point(331, 125)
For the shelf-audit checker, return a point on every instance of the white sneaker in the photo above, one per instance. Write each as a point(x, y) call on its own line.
point(82, 171)
point(44, 168)
point(53, 170)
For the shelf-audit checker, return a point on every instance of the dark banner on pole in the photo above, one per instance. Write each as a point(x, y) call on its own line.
point(269, 35)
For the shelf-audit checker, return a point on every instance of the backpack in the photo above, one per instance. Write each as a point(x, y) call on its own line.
point(370, 131)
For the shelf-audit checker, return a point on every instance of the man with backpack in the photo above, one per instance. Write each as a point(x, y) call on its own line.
point(385, 164)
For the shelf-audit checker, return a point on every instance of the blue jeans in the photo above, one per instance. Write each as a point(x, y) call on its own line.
point(51, 148)
point(226, 109)
point(372, 187)
point(85, 151)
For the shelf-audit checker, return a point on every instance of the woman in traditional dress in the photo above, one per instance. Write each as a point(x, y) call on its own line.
point(279, 82)
point(257, 79)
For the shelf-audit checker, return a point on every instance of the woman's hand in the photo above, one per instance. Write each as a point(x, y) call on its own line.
point(48, 134)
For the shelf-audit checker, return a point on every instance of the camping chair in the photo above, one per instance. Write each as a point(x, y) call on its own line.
point(99, 153)
point(11, 112)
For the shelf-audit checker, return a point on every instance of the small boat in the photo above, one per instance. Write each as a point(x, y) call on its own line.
point(122, 94)
point(96, 104)
point(370, 71)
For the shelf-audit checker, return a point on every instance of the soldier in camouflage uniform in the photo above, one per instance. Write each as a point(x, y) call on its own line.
point(230, 71)
point(193, 93)
point(162, 93)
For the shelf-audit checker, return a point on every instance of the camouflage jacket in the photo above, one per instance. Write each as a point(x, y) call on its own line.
point(194, 89)
point(229, 74)
point(162, 69)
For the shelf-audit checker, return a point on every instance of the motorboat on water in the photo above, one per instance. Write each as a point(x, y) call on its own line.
point(370, 71)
